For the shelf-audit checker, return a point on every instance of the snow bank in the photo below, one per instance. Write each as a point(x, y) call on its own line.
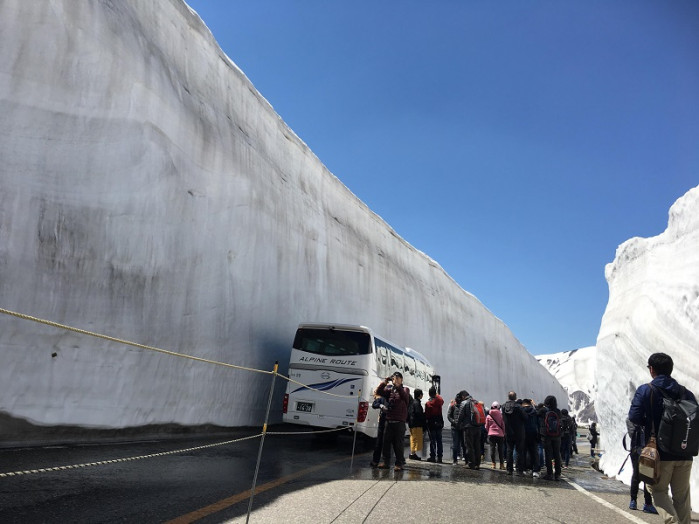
point(653, 307)
point(575, 370)
point(149, 192)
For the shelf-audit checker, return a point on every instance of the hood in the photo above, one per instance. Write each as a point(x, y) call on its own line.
point(667, 384)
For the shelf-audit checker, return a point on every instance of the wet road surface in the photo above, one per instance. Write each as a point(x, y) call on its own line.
point(302, 478)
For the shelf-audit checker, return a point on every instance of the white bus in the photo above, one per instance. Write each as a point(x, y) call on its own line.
point(346, 360)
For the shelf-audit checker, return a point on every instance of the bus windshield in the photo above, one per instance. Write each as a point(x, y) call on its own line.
point(332, 342)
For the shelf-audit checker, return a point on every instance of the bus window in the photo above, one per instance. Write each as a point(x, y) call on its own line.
point(396, 362)
point(332, 342)
point(382, 361)
point(420, 373)
point(409, 366)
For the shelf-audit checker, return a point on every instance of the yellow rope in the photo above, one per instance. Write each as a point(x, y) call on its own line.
point(163, 351)
point(128, 343)
point(126, 459)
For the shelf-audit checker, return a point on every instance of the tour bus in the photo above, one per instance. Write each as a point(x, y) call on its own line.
point(331, 364)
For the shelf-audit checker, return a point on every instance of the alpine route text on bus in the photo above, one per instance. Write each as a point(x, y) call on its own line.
point(346, 360)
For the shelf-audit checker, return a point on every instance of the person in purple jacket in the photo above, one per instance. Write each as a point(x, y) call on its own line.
point(398, 398)
point(675, 471)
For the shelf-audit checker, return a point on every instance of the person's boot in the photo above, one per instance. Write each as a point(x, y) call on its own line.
point(649, 508)
point(502, 466)
point(493, 465)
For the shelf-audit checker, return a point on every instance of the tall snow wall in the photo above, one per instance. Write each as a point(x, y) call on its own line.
point(150, 193)
point(653, 307)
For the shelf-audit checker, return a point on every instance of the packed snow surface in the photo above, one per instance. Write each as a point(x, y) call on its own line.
point(653, 307)
point(575, 370)
point(150, 193)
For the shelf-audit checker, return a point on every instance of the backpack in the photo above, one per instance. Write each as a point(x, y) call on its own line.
point(678, 432)
point(552, 424)
point(477, 413)
point(566, 426)
point(531, 425)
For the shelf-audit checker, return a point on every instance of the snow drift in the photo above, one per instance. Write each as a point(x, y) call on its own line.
point(149, 192)
point(653, 307)
point(575, 370)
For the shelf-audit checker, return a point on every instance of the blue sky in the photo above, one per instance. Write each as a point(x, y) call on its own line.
point(516, 143)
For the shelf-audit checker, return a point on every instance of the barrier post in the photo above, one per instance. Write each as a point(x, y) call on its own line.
point(356, 421)
point(262, 441)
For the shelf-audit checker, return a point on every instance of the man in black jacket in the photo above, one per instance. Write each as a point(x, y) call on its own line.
point(674, 469)
point(514, 433)
point(551, 438)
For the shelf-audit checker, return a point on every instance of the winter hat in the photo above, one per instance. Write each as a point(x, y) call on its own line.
point(495, 405)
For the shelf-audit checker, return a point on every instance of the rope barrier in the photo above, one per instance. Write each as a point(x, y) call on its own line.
point(159, 350)
point(128, 343)
point(125, 459)
point(163, 454)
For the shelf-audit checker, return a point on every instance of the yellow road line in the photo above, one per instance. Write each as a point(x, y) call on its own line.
point(244, 495)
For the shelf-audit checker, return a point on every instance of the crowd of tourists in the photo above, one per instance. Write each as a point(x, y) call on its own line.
point(523, 437)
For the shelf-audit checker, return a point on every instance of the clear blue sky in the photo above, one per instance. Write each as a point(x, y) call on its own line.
point(516, 143)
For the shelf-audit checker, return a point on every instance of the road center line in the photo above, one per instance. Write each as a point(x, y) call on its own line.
point(606, 504)
point(244, 495)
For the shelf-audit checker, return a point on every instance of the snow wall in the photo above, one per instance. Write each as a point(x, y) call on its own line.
point(150, 193)
point(653, 307)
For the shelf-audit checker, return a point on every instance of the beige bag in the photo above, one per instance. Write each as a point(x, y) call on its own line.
point(649, 463)
point(649, 459)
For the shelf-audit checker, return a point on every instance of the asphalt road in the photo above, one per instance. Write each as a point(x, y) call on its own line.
point(301, 479)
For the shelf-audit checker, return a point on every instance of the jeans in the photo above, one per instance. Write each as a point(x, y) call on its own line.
point(531, 447)
point(515, 442)
point(457, 443)
point(435, 435)
point(496, 442)
point(565, 449)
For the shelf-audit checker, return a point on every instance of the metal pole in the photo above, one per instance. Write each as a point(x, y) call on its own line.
point(356, 421)
point(262, 441)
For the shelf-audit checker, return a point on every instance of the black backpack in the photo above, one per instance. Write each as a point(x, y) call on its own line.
point(552, 424)
point(678, 432)
point(566, 425)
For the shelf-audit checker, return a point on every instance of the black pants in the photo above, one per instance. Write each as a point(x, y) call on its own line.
point(496, 442)
point(515, 442)
point(635, 482)
point(531, 451)
point(552, 453)
point(379, 440)
point(435, 435)
point(472, 438)
point(393, 438)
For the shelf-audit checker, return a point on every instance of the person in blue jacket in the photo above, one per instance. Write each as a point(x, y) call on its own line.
point(674, 470)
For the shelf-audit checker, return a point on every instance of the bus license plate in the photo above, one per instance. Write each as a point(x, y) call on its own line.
point(306, 407)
